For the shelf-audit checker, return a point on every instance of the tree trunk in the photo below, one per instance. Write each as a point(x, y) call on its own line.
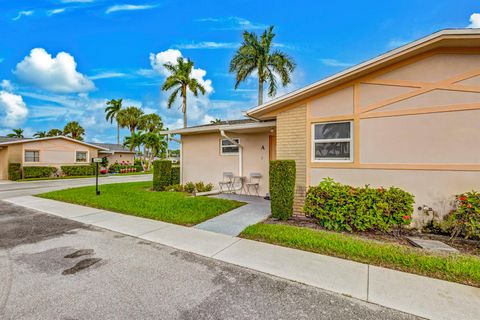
point(184, 107)
point(132, 139)
point(260, 91)
point(118, 133)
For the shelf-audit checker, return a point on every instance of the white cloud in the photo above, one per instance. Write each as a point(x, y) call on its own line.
point(13, 109)
point(208, 45)
point(107, 75)
point(233, 23)
point(55, 11)
point(171, 55)
point(23, 14)
point(6, 85)
point(128, 7)
point(57, 74)
point(335, 63)
point(474, 21)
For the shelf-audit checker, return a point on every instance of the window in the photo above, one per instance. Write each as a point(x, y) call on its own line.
point(228, 148)
point(81, 156)
point(332, 142)
point(32, 156)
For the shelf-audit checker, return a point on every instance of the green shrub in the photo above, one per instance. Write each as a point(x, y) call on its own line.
point(162, 174)
point(38, 172)
point(14, 171)
point(189, 187)
point(84, 170)
point(175, 175)
point(467, 215)
point(138, 168)
point(344, 208)
point(202, 187)
point(175, 188)
point(282, 188)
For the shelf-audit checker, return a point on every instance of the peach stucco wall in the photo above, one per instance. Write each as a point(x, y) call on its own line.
point(118, 157)
point(3, 163)
point(202, 160)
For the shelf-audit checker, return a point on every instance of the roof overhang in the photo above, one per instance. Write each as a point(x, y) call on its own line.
point(449, 38)
point(51, 138)
point(237, 128)
point(116, 151)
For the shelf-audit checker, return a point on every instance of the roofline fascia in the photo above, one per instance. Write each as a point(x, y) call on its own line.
point(225, 127)
point(51, 138)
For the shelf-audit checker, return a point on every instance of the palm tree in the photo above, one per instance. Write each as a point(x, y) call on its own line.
point(112, 110)
point(180, 80)
point(130, 118)
point(134, 141)
point(151, 123)
point(256, 55)
point(54, 132)
point(17, 133)
point(155, 144)
point(40, 134)
point(216, 121)
point(74, 130)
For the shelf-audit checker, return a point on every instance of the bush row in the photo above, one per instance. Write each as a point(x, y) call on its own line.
point(38, 172)
point(190, 187)
point(85, 170)
point(117, 168)
point(14, 171)
point(165, 175)
point(345, 208)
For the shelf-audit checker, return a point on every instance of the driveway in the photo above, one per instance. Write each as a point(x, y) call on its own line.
point(52, 268)
point(10, 189)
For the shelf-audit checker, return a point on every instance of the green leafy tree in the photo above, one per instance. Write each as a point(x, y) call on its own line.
point(54, 132)
point(111, 113)
point(155, 145)
point(180, 81)
point(134, 141)
point(74, 130)
point(256, 55)
point(17, 133)
point(151, 123)
point(40, 134)
point(130, 118)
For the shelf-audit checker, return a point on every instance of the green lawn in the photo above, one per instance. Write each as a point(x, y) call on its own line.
point(454, 267)
point(135, 198)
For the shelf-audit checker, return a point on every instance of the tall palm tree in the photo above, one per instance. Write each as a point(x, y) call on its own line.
point(40, 134)
point(134, 141)
point(255, 54)
point(130, 118)
point(54, 132)
point(180, 80)
point(74, 130)
point(151, 123)
point(155, 145)
point(112, 110)
point(216, 121)
point(17, 133)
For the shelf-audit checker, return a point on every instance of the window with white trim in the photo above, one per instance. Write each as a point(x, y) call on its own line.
point(332, 142)
point(32, 156)
point(228, 148)
point(81, 156)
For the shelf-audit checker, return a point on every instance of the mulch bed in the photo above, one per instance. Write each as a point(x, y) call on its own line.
point(463, 245)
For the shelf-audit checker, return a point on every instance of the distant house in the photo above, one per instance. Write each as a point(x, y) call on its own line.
point(56, 151)
point(408, 118)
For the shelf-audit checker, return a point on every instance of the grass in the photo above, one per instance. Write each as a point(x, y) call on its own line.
point(135, 198)
point(452, 267)
point(79, 177)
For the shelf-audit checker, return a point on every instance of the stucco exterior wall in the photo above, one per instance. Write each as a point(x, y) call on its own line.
point(202, 160)
point(4, 164)
point(118, 157)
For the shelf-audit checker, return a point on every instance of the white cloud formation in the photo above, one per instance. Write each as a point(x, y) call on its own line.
point(171, 55)
point(233, 23)
point(6, 85)
point(474, 21)
point(55, 11)
point(58, 74)
point(107, 75)
point(129, 7)
point(23, 14)
point(13, 110)
point(335, 63)
point(208, 45)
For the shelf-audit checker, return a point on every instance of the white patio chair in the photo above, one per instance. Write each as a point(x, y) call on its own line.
point(227, 182)
point(254, 182)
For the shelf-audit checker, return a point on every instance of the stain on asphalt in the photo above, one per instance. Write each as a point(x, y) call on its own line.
point(19, 225)
point(79, 253)
point(81, 265)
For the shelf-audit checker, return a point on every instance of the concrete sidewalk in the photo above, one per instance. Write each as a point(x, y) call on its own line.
point(421, 296)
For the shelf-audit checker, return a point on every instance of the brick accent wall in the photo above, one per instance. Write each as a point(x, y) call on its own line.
point(292, 145)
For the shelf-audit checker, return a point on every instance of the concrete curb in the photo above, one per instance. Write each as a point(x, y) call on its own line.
point(418, 295)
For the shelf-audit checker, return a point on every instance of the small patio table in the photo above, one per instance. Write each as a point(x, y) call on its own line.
point(241, 180)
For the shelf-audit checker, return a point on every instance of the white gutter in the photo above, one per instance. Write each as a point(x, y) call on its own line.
point(240, 152)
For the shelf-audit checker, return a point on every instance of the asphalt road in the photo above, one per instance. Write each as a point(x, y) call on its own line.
point(10, 189)
point(52, 268)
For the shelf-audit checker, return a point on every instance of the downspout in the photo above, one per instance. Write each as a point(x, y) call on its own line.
point(240, 151)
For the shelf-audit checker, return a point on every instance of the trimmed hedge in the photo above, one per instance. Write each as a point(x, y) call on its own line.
point(344, 208)
point(14, 171)
point(282, 188)
point(85, 170)
point(175, 175)
point(138, 168)
point(162, 174)
point(38, 172)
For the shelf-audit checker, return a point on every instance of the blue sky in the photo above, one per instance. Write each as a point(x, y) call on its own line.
point(60, 60)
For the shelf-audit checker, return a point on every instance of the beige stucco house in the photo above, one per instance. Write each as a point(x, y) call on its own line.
point(55, 151)
point(408, 118)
